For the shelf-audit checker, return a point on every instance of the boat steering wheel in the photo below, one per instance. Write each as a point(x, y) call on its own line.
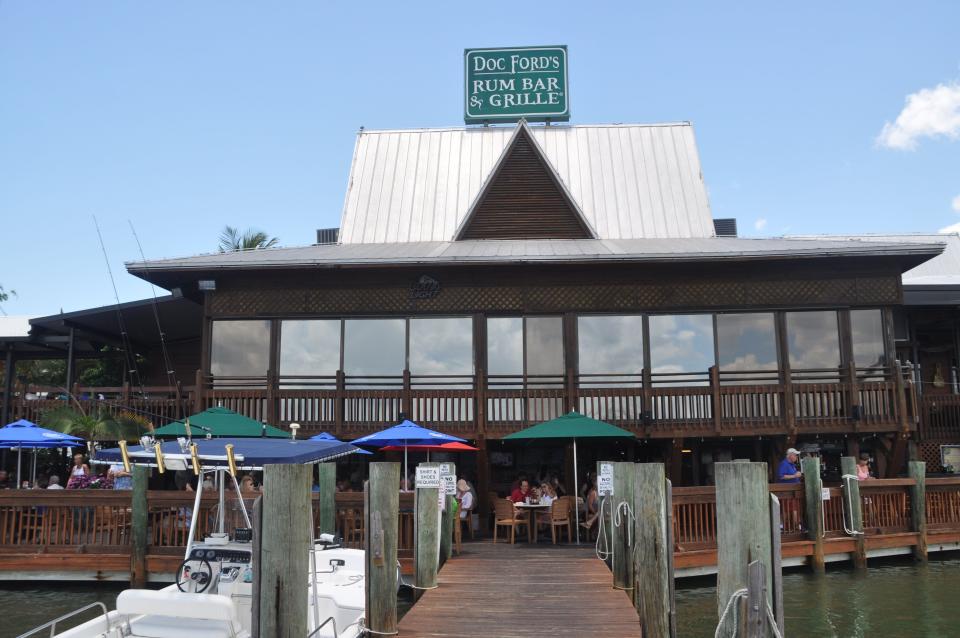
point(201, 576)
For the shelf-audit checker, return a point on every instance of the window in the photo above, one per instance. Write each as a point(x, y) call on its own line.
point(866, 332)
point(505, 346)
point(240, 348)
point(442, 346)
point(747, 345)
point(813, 340)
point(611, 346)
point(374, 348)
point(681, 344)
point(544, 346)
point(309, 347)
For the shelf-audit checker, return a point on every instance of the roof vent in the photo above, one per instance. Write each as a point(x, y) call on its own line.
point(327, 235)
point(725, 227)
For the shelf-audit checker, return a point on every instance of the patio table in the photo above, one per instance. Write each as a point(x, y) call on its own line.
point(533, 510)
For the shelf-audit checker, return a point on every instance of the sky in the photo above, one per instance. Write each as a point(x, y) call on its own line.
point(181, 117)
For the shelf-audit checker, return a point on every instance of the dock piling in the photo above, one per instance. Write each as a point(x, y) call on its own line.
point(426, 553)
point(813, 493)
point(622, 527)
point(138, 526)
point(743, 533)
point(651, 569)
point(853, 509)
point(327, 510)
point(382, 510)
point(917, 470)
point(287, 522)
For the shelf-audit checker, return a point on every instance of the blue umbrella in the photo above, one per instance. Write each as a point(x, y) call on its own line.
point(24, 434)
point(404, 434)
point(326, 436)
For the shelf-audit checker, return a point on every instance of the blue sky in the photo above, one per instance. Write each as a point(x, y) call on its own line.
point(185, 116)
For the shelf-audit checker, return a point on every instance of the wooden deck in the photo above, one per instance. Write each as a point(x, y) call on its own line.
point(518, 590)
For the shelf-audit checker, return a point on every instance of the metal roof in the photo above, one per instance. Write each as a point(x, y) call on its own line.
point(630, 181)
point(942, 270)
point(534, 250)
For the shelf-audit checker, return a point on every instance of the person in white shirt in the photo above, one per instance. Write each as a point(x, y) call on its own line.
point(465, 496)
point(54, 483)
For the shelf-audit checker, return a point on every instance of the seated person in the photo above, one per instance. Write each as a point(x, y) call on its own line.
point(465, 497)
point(522, 492)
point(547, 494)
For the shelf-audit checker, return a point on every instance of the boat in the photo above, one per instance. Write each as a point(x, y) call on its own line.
point(213, 593)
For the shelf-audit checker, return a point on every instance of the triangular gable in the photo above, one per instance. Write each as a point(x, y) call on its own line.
point(523, 198)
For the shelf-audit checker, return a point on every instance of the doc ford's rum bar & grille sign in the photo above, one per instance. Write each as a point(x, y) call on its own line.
point(506, 85)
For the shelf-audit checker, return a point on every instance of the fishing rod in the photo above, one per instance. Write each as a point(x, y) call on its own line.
point(130, 359)
point(167, 360)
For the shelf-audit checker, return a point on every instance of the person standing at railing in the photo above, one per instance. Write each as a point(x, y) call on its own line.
point(788, 472)
point(122, 480)
point(78, 472)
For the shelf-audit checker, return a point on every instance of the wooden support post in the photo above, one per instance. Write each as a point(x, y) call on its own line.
point(447, 517)
point(853, 509)
point(755, 620)
point(624, 485)
point(198, 391)
point(717, 407)
point(138, 526)
point(676, 461)
point(285, 538)
point(743, 530)
point(813, 493)
point(652, 574)
point(918, 507)
point(339, 404)
point(382, 512)
point(327, 507)
point(257, 521)
point(426, 553)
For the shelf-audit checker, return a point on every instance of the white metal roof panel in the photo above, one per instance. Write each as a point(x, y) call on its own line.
point(631, 181)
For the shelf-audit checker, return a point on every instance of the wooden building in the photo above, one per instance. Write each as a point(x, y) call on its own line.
point(485, 279)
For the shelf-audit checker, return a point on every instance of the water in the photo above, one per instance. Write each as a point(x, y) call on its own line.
point(24, 606)
point(894, 599)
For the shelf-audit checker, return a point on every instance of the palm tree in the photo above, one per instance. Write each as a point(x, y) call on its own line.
point(232, 240)
point(5, 296)
point(98, 425)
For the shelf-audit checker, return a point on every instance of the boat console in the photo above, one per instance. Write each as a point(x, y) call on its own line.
point(217, 565)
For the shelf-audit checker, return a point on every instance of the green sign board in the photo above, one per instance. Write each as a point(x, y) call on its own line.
point(507, 85)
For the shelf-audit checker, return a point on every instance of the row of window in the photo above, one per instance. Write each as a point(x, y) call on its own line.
point(606, 344)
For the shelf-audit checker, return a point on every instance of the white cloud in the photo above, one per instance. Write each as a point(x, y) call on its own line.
point(955, 204)
point(952, 228)
point(929, 113)
point(761, 223)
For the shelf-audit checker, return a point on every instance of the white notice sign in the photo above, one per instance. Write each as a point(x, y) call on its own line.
point(449, 484)
point(445, 468)
point(428, 477)
point(825, 494)
point(605, 480)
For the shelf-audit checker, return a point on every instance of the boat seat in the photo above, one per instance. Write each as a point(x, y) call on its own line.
point(175, 614)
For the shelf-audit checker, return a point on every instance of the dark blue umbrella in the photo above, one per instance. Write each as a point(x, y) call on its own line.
point(326, 436)
point(404, 434)
point(25, 434)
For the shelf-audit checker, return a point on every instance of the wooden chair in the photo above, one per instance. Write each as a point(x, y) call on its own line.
point(505, 516)
point(561, 516)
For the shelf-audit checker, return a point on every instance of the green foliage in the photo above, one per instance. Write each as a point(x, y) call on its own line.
point(231, 239)
point(52, 372)
point(99, 425)
point(5, 296)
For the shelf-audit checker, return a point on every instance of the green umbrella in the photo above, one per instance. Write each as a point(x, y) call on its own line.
point(220, 422)
point(572, 425)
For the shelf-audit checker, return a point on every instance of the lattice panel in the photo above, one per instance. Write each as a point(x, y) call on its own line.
point(704, 294)
point(930, 454)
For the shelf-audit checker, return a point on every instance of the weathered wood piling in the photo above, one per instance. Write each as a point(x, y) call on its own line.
point(853, 509)
point(286, 534)
point(813, 492)
point(382, 512)
point(917, 470)
point(622, 528)
point(652, 574)
point(327, 507)
point(426, 552)
point(448, 517)
point(138, 526)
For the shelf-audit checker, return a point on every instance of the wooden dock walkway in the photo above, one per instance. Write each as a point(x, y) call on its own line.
point(522, 590)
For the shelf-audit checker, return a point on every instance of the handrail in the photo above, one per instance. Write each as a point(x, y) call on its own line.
point(324, 624)
point(52, 625)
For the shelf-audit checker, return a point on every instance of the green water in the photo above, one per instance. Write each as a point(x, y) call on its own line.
point(893, 600)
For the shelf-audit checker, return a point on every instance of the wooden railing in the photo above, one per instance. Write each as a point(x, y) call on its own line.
point(940, 418)
point(79, 520)
point(711, 403)
point(943, 503)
